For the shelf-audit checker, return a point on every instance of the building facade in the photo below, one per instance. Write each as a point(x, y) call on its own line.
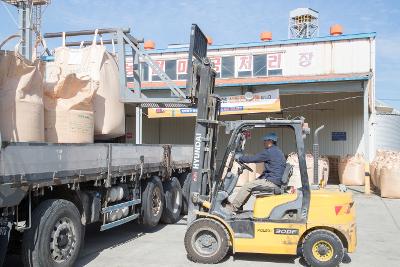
point(328, 80)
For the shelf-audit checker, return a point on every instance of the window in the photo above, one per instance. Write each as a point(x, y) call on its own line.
point(170, 69)
point(161, 64)
point(260, 65)
point(144, 70)
point(274, 72)
point(228, 67)
point(274, 63)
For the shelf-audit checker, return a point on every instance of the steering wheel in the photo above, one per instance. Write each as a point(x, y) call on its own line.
point(244, 165)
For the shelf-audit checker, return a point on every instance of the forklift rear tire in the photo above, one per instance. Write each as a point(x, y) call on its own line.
point(322, 248)
point(173, 201)
point(56, 235)
point(206, 241)
point(153, 202)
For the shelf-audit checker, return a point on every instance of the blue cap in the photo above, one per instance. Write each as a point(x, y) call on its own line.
point(271, 136)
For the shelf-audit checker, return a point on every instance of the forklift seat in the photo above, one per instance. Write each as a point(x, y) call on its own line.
point(267, 191)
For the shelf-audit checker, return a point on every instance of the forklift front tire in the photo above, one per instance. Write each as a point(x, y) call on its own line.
point(322, 248)
point(206, 241)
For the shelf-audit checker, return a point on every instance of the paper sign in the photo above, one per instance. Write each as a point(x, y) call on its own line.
point(161, 65)
point(217, 63)
point(260, 103)
point(244, 63)
point(181, 66)
point(129, 66)
point(274, 61)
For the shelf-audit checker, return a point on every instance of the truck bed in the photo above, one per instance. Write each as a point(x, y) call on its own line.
point(24, 165)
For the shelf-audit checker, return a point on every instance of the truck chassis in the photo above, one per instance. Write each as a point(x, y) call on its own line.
point(107, 183)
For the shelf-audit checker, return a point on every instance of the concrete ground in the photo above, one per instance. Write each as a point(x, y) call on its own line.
point(134, 245)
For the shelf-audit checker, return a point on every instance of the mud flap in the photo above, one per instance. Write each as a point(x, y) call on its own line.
point(5, 229)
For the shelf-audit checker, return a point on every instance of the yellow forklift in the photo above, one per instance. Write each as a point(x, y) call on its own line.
point(317, 223)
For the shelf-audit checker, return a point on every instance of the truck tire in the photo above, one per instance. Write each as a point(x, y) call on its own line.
point(173, 201)
point(322, 248)
point(206, 241)
point(55, 237)
point(186, 193)
point(152, 202)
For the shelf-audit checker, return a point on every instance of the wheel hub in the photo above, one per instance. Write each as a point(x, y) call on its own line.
point(62, 240)
point(206, 242)
point(322, 251)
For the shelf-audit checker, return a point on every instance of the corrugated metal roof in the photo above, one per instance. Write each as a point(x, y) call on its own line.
point(328, 38)
point(271, 80)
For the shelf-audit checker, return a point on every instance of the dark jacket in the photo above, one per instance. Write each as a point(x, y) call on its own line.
point(274, 163)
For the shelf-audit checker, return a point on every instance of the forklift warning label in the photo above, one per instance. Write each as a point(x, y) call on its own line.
point(286, 231)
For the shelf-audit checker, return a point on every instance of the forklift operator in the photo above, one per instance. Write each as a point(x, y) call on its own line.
point(274, 167)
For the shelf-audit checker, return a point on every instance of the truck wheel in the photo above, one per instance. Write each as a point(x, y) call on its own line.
point(173, 201)
point(206, 241)
point(186, 193)
point(56, 235)
point(153, 201)
point(322, 248)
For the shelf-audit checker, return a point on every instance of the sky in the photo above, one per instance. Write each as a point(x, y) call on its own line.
point(231, 21)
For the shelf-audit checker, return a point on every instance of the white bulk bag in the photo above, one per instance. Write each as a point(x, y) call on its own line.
point(69, 114)
point(21, 97)
point(352, 170)
point(390, 180)
point(101, 66)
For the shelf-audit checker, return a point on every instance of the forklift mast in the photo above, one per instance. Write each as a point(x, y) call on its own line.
point(201, 82)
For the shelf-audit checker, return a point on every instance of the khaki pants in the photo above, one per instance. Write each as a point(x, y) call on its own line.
point(245, 191)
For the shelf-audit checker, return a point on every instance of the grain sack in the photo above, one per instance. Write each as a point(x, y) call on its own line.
point(21, 97)
point(352, 170)
point(69, 114)
point(373, 173)
point(390, 180)
point(384, 173)
point(323, 170)
point(258, 169)
point(100, 65)
point(243, 178)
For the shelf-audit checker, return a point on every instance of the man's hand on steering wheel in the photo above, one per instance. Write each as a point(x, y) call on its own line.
point(242, 164)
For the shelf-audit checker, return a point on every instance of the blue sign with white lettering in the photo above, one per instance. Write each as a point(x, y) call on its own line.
point(339, 136)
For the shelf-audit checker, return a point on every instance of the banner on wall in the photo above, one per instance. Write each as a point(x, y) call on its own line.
point(263, 102)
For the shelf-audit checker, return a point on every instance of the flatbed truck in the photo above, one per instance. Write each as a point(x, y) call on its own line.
point(49, 193)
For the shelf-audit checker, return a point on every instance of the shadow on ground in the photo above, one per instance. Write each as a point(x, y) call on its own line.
point(96, 241)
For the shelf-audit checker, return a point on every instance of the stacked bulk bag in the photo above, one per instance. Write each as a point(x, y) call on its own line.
point(323, 170)
point(390, 180)
point(69, 116)
point(96, 62)
point(244, 176)
point(385, 173)
point(258, 169)
point(352, 170)
point(21, 97)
